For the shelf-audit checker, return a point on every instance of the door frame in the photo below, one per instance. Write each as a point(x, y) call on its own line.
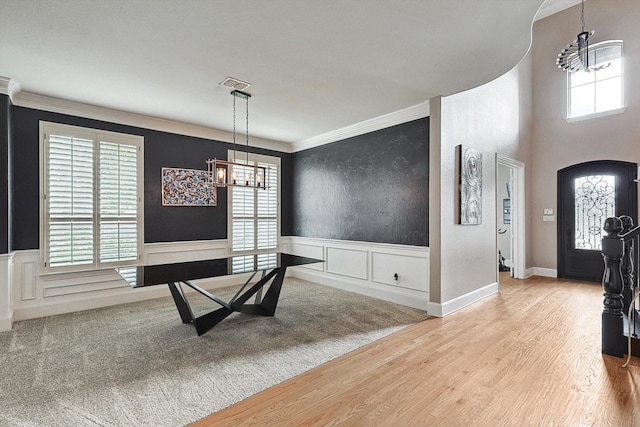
point(517, 215)
point(561, 239)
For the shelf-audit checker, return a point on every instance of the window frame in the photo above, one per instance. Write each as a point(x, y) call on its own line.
point(256, 158)
point(97, 136)
point(569, 118)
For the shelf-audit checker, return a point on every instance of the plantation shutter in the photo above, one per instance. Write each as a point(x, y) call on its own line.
point(70, 199)
point(254, 212)
point(242, 211)
point(118, 202)
point(267, 210)
point(91, 201)
point(249, 263)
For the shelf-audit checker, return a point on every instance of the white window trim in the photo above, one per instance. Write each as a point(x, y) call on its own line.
point(595, 115)
point(254, 158)
point(572, 119)
point(44, 220)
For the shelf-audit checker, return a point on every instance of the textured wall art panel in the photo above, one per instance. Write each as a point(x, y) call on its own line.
point(186, 187)
point(369, 188)
point(470, 185)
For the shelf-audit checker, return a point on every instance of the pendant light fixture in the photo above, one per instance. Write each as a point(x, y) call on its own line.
point(230, 173)
point(575, 56)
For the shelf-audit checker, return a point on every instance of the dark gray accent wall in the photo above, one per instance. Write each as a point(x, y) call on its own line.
point(371, 188)
point(5, 170)
point(161, 149)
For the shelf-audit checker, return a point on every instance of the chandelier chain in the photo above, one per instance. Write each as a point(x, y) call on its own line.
point(582, 16)
point(247, 127)
point(234, 128)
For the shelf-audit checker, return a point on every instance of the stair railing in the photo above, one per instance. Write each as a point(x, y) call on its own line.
point(619, 282)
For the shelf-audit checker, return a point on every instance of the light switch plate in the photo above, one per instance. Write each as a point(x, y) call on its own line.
point(548, 211)
point(548, 218)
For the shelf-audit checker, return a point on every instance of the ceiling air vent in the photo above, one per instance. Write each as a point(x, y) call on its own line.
point(236, 84)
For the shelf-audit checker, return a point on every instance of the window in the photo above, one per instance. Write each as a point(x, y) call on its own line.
point(249, 263)
point(91, 184)
point(255, 213)
point(600, 89)
point(595, 201)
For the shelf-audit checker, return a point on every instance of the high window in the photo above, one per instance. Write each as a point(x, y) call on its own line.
point(598, 90)
point(91, 184)
point(255, 213)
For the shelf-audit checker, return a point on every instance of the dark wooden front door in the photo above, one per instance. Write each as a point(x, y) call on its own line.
point(588, 193)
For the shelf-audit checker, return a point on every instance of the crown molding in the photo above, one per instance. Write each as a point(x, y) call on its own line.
point(9, 87)
point(89, 111)
point(381, 122)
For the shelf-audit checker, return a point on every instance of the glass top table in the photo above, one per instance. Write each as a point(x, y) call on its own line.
point(271, 265)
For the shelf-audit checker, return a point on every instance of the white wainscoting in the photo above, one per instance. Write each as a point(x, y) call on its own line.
point(366, 268)
point(6, 307)
point(34, 295)
point(348, 262)
point(162, 253)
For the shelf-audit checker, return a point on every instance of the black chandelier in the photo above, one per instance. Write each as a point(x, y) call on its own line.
point(224, 173)
point(575, 56)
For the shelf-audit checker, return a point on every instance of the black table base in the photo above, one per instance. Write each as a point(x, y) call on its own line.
point(265, 306)
point(271, 265)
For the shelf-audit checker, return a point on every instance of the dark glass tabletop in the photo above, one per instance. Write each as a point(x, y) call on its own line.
point(161, 274)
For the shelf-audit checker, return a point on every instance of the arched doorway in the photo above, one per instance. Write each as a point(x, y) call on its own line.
point(588, 193)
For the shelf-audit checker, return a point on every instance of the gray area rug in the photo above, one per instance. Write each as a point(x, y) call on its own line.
point(138, 365)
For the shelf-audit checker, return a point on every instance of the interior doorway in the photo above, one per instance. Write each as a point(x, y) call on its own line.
point(504, 182)
point(510, 217)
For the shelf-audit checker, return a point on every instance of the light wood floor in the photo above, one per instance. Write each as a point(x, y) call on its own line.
point(528, 356)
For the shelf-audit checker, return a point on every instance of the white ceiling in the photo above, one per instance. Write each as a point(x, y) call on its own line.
point(315, 65)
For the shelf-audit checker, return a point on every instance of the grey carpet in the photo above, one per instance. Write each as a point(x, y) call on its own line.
point(138, 365)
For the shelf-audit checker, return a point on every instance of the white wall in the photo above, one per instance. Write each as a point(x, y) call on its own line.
point(495, 117)
point(557, 144)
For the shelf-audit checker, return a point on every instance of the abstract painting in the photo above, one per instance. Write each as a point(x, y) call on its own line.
point(187, 187)
point(470, 185)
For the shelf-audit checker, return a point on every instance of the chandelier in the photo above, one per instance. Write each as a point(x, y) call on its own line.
point(236, 172)
point(575, 56)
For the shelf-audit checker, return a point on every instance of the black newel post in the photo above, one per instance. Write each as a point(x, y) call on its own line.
point(627, 265)
point(613, 340)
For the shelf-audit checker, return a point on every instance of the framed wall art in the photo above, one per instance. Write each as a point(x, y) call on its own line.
point(470, 185)
point(187, 187)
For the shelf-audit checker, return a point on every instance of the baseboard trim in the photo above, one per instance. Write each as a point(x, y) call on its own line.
point(6, 304)
point(458, 303)
point(540, 271)
point(408, 297)
point(6, 324)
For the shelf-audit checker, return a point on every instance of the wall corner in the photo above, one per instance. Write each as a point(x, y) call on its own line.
point(6, 281)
